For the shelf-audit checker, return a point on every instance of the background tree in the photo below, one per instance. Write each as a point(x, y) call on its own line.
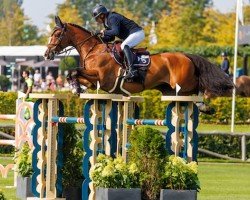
point(11, 26)
point(5, 5)
point(246, 13)
point(68, 12)
point(4, 83)
point(67, 63)
point(218, 28)
point(182, 25)
point(144, 10)
point(85, 10)
point(30, 35)
point(15, 27)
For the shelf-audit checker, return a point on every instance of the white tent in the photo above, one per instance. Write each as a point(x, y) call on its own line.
point(27, 51)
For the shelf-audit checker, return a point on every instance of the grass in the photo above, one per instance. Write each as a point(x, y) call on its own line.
point(7, 122)
point(239, 128)
point(226, 128)
point(227, 181)
point(9, 192)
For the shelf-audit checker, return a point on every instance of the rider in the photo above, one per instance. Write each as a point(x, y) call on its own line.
point(127, 30)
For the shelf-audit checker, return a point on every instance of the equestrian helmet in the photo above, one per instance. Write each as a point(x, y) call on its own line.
point(98, 10)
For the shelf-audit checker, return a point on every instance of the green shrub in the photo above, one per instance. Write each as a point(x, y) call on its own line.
point(67, 63)
point(72, 157)
point(180, 175)
point(8, 102)
point(151, 108)
point(148, 152)
point(6, 149)
point(223, 110)
point(4, 83)
point(2, 196)
point(114, 173)
point(23, 161)
point(223, 144)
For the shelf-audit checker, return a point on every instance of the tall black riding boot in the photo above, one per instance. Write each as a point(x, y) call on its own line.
point(132, 73)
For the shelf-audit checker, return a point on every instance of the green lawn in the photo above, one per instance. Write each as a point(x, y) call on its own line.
point(219, 181)
point(226, 128)
point(239, 128)
point(224, 181)
point(7, 122)
point(245, 128)
point(9, 192)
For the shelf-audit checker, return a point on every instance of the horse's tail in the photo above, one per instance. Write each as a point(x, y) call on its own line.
point(211, 78)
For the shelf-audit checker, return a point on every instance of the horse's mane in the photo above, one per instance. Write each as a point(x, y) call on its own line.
point(80, 27)
point(85, 30)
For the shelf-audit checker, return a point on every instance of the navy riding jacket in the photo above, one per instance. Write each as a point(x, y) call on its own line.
point(119, 26)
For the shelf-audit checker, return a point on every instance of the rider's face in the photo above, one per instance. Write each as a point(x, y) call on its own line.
point(100, 19)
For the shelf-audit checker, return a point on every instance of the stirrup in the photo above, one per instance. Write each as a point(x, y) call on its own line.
point(131, 75)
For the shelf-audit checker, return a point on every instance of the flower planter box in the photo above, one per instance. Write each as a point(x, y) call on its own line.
point(23, 189)
point(72, 193)
point(167, 194)
point(118, 194)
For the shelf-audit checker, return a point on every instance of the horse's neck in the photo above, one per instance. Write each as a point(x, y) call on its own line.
point(81, 40)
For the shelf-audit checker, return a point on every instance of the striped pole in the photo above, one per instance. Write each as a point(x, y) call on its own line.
point(156, 122)
point(78, 120)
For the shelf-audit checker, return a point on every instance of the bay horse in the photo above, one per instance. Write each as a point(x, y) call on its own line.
point(192, 73)
point(243, 86)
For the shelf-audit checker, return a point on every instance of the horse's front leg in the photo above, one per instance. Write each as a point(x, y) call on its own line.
point(73, 81)
point(79, 76)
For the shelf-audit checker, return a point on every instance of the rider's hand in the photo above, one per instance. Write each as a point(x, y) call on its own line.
point(102, 33)
point(96, 33)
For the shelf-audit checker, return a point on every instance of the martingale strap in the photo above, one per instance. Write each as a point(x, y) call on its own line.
point(119, 83)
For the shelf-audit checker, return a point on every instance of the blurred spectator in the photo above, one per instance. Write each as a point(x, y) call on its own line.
point(49, 78)
point(37, 79)
point(28, 84)
point(44, 85)
point(52, 85)
point(59, 82)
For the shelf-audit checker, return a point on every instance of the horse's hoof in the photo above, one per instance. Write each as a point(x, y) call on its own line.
point(206, 109)
point(74, 91)
point(129, 80)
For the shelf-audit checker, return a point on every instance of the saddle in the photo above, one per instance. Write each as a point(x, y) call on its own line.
point(141, 56)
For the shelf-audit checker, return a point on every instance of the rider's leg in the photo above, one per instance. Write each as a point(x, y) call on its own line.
point(129, 57)
point(131, 41)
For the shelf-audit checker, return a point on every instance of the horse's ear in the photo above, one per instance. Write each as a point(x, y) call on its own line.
point(58, 22)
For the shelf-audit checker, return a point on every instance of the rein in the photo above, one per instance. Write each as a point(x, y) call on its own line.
point(80, 44)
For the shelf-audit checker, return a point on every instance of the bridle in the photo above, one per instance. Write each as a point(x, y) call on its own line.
point(58, 43)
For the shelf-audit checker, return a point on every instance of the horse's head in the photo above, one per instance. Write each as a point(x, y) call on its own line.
point(58, 40)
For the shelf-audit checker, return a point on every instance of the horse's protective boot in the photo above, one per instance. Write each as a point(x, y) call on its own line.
point(132, 72)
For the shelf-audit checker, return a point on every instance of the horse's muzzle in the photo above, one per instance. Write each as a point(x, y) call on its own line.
point(49, 54)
